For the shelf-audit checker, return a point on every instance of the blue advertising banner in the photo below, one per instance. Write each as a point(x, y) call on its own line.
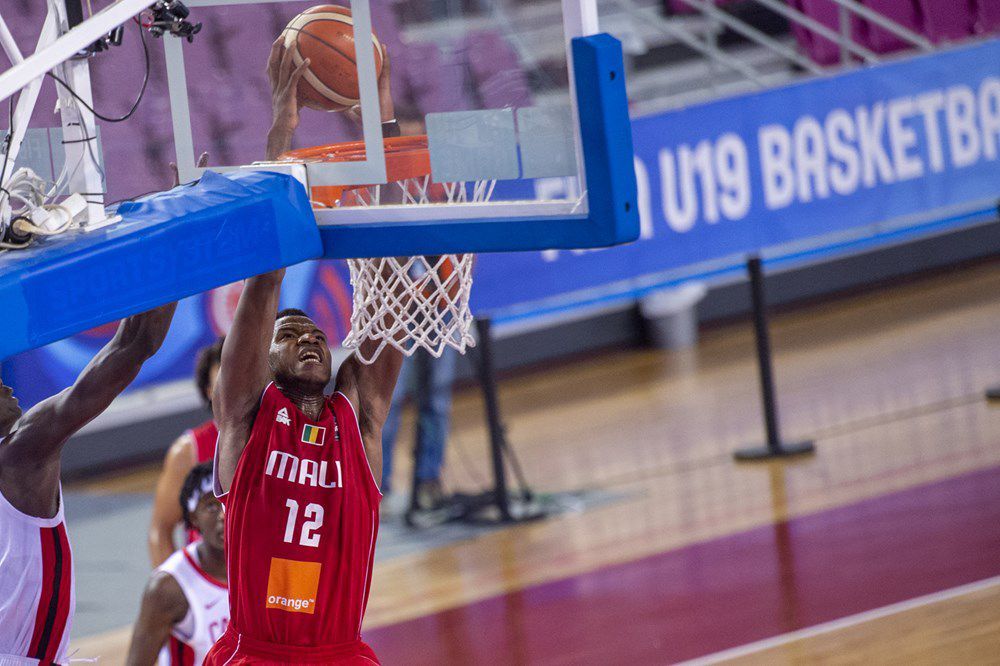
point(876, 147)
point(892, 149)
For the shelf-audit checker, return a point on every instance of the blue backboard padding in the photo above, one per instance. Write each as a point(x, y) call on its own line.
point(167, 246)
point(613, 217)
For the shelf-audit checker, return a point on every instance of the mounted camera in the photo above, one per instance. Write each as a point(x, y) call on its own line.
point(162, 17)
point(74, 17)
point(170, 16)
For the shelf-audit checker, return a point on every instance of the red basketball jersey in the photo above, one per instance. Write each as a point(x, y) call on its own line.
point(301, 521)
point(204, 437)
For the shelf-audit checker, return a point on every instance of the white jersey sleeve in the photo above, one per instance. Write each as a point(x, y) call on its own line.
point(208, 610)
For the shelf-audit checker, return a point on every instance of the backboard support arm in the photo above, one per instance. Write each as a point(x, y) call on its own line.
point(68, 44)
point(78, 123)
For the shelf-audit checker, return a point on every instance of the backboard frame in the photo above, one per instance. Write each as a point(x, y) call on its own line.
point(612, 217)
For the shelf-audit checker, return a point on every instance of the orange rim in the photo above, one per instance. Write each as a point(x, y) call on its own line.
point(406, 157)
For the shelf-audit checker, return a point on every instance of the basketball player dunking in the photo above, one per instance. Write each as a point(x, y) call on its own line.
point(37, 596)
point(295, 468)
point(185, 607)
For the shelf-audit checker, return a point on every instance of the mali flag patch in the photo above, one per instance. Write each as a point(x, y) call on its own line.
point(315, 435)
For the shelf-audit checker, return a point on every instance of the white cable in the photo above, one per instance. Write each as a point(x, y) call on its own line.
point(25, 226)
point(31, 191)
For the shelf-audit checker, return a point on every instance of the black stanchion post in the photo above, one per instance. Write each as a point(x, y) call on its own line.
point(422, 361)
point(774, 448)
point(497, 437)
point(993, 393)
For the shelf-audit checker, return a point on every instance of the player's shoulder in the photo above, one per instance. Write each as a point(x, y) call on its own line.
point(340, 397)
point(173, 563)
point(268, 400)
point(342, 406)
point(271, 394)
point(182, 449)
point(164, 594)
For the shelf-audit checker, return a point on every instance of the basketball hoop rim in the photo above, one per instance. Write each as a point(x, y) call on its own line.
point(406, 157)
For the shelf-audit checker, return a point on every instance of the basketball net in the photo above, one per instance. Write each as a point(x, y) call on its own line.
point(407, 303)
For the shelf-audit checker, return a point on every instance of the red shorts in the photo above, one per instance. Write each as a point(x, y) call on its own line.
point(236, 650)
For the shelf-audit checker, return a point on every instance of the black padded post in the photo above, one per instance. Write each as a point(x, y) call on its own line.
point(774, 448)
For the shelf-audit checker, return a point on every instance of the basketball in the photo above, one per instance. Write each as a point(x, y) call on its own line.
point(325, 35)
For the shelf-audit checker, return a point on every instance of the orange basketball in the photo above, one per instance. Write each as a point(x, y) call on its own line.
point(325, 35)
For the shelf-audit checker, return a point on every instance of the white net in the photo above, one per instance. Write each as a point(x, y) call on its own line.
point(412, 303)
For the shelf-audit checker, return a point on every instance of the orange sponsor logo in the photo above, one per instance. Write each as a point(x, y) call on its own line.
point(292, 585)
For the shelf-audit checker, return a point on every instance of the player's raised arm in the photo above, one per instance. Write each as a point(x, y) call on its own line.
point(369, 388)
point(163, 606)
point(284, 77)
point(29, 457)
point(244, 371)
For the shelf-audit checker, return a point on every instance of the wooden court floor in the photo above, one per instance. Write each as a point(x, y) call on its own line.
point(889, 385)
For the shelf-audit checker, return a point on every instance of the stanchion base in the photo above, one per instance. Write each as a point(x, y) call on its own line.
point(993, 394)
point(782, 451)
point(482, 509)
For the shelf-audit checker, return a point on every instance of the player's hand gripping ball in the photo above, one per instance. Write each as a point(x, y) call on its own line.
point(325, 35)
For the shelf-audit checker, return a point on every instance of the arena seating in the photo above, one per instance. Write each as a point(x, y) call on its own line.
point(938, 20)
point(946, 20)
point(496, 70)
point(682, 7)
point(987, 16)
point(429, 74)
point(881, 40)
point(432, 91)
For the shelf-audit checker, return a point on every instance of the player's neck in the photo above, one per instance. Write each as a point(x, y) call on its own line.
point(212, 561)
point(310, 401)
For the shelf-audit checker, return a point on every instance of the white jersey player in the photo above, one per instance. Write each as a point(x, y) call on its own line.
point(185, 607)
point(37, 596)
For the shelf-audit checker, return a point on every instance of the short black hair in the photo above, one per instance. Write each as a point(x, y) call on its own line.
point(292, 312)
point(208, 358)
point(195, 478)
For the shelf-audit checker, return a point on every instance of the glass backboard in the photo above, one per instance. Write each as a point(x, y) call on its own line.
point(493, 85)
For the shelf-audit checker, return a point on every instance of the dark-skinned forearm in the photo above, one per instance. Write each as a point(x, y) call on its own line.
point(143, 334)
point(266, 281)
point(279, 139)
point(47, 426)
point(116, 366)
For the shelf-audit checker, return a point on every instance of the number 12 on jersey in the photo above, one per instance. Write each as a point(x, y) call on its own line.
point(313, 516)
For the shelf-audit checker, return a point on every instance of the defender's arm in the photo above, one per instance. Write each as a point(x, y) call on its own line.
point(163, 606)
point(166, 509)
point(29, 458)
